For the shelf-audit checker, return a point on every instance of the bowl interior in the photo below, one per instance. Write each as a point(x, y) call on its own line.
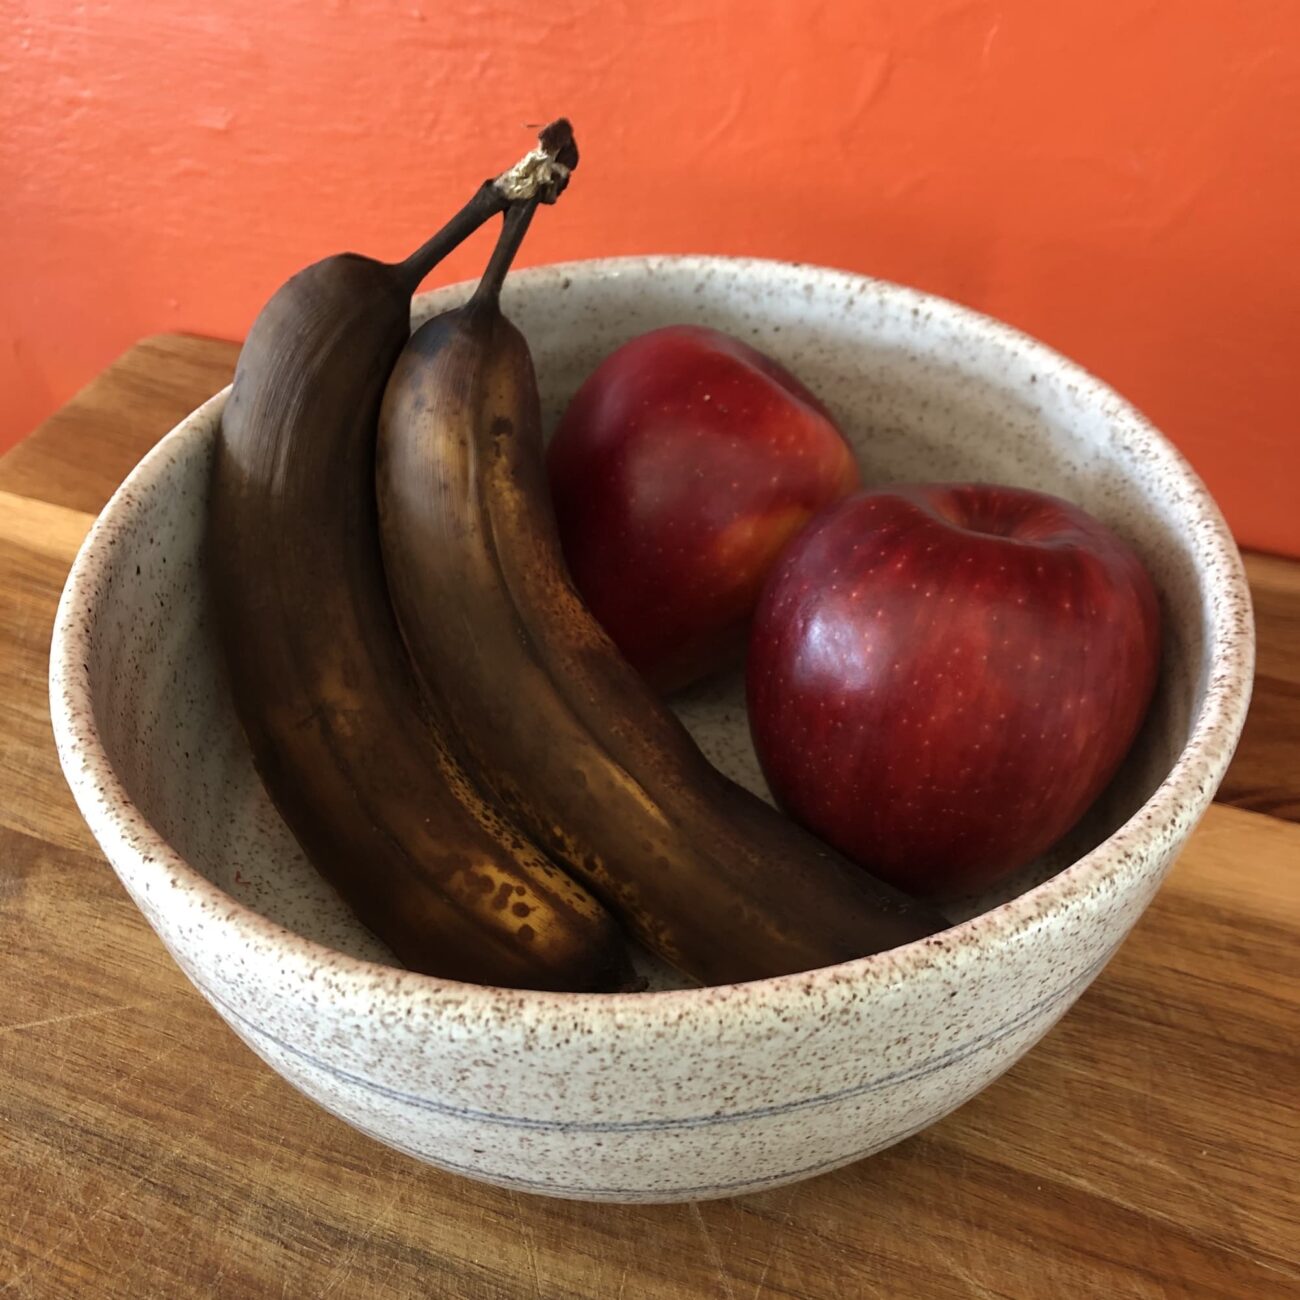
point(923, 389)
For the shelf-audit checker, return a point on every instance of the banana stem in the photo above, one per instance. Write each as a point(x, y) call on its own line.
point(539, 176)
point(545, 170)
point(513, 229)
point(486, 203)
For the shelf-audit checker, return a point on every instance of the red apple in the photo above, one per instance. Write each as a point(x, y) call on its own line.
point(942, 678)
point(679, 471)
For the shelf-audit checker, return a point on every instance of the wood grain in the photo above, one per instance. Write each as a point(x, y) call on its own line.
point(1146, 1148)
point(82, 452)
point(1265, 775)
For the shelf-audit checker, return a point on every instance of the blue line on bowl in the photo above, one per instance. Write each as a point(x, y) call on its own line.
point(935, 1063)
point(704, 1190)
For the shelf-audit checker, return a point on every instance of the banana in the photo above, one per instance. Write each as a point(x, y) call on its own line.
point(578, 749)
point(375, 793)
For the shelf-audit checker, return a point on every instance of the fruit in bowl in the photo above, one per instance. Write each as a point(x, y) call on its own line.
point(456, 744)
point(942, 678)
point(681, 468)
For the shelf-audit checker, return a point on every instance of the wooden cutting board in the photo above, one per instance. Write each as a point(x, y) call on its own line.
point(1147, 1147)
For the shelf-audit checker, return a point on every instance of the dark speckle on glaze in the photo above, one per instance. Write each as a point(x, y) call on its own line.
point(679, 1093)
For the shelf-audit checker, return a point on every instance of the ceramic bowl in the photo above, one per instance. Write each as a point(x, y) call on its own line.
point(680, 1093)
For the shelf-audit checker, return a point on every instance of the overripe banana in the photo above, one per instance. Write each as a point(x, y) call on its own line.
point(377, 795)
point(580, 751)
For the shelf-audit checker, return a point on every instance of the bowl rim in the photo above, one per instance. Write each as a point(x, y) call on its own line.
point(1174, 806)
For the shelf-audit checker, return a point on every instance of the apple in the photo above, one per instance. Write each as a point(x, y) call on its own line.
point(680, 470)
point(942, 678)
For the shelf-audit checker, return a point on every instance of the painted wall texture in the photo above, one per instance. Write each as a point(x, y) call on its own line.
point(1118, 177)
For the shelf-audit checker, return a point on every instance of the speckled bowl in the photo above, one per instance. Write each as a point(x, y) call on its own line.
point(678, 1093)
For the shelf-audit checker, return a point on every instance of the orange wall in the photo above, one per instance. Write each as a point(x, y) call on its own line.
point(1116, 176)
